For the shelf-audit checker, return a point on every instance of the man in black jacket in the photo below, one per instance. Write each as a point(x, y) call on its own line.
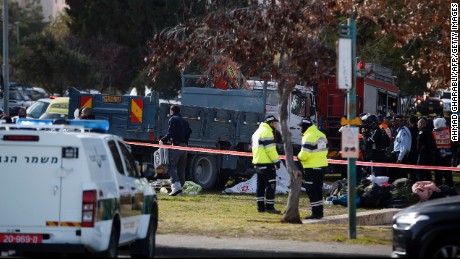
point(178, 134)
point(412, 159)
point(425, 150)
point(373, 138)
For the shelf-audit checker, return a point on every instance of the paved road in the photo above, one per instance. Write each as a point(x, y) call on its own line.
point(200, 246)
point(173, 246)
point(169, 246)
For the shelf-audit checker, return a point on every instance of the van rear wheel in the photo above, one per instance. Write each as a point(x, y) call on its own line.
point(145, 248)
point(112, 250)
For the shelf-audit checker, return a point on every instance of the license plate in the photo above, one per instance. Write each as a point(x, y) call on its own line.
point(21, 238)
point(112, 99)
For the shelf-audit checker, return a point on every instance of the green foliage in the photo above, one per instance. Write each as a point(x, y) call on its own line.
point(29, 16)
point(128, 25)
point(54, 66)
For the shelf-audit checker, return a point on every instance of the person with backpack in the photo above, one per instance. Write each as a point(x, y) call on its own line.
point(178, 135)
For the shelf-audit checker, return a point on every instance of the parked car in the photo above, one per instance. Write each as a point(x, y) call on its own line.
point(57, 109)
point(38, 108)
point(429, 229)
point(69, 191)
point(16, 100)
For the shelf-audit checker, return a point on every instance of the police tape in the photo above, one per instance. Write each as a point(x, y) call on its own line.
point(330, 161)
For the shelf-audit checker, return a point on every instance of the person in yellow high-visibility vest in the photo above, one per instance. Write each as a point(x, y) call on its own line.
point(313, 157)
point(266, 161)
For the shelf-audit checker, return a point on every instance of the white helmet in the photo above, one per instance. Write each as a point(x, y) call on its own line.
point(439, 123)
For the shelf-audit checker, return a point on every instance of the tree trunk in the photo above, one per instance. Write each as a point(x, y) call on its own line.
point(291, 214)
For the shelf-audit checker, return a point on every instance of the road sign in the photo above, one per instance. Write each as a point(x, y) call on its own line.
point(356, 121)
point(350, 142)
point(344, 64)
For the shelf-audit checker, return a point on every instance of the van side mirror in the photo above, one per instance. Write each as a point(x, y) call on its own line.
point(148, 171)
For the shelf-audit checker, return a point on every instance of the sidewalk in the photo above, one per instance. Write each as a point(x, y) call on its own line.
point(201, 246)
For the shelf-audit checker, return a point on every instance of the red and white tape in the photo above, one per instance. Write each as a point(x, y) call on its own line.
point(331, 161)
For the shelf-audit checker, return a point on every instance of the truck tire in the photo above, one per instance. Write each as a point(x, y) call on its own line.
point(204, 171)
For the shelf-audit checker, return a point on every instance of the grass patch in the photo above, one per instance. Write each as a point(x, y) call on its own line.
point(235, 215)
point(221, 215)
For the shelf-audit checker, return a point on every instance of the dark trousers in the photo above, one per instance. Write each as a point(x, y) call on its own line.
point(314, 178)
point(396, 172)
point(438, 174)
point(412, 160)
point(425, 157)
point(266, 187)
point(177, 165)
point(378, 156)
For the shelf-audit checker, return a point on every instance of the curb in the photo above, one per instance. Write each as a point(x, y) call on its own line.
point(366, 218)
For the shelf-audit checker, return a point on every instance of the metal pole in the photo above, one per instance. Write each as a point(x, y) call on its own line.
point(351, 114)
point(6, 89)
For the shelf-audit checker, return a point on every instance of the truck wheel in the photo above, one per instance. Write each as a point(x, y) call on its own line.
point(204, 171)
point(145, 248)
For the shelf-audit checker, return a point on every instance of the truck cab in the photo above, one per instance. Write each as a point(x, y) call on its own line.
point(301, 104)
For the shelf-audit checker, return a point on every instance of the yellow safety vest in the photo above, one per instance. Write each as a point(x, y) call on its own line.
point(314, 149)
point(263, 146)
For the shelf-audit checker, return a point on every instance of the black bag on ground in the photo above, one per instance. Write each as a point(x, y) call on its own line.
point(375, 196)
point(338, 188)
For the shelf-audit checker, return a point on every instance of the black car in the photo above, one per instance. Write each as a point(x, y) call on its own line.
point(429, 229)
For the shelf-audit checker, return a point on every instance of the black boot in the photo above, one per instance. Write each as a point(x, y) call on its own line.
point(260, 206)
point(317, 212)
point(271, 209)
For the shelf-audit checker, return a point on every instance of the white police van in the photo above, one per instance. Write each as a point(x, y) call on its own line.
point(66, 190)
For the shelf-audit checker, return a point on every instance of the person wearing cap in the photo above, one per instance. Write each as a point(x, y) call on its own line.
point(313, 157)
point(443, 152)
point(266, 161)
point(401, 149)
